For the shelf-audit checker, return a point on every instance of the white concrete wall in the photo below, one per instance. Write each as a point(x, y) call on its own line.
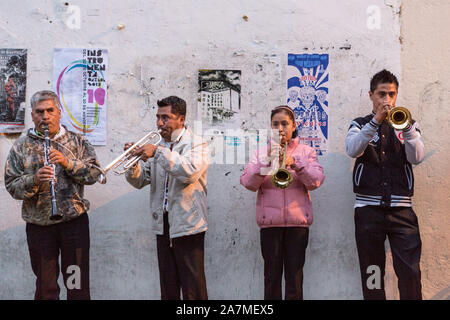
point(158, 54)
point(426, 91)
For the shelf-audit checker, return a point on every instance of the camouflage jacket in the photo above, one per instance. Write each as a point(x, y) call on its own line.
point(27, 156)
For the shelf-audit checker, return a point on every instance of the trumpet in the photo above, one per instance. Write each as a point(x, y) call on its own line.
point(127, 159)
point(399, 118)
point(282, 178)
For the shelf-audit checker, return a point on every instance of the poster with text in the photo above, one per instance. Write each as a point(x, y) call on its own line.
point(219, 101)
point(13, 78)
point(307, 95)
point(80, 81)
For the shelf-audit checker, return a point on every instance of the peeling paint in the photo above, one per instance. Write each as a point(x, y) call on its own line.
point(155, 56)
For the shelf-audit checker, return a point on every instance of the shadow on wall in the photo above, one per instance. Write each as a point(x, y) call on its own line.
point(331, 270)
point(442, 295)
point(332, 267)
point(123, 247)
point(123, 254)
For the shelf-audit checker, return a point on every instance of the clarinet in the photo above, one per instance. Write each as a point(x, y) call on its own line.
point(55, 212)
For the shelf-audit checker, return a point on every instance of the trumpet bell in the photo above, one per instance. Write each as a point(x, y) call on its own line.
point(399, 118)
point(282, 178)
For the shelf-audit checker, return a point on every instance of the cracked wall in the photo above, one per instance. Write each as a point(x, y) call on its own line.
point(156, 49)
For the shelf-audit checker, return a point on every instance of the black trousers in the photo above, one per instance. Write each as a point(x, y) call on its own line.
point(399, 224)
point(45, 243)
point(283, 248)
point(181, 265)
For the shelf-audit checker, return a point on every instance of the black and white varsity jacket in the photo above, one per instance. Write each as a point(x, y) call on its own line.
point(382, 175)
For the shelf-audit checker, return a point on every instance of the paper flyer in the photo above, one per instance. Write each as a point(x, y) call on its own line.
point(13, 78)
point(307, 95)
point(80, 81)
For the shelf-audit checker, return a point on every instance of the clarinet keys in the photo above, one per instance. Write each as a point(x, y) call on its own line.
point(56, 215)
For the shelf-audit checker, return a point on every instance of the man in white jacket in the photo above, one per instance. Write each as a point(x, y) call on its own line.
point(176, 170)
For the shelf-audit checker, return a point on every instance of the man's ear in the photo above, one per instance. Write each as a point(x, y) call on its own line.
point(182, 118)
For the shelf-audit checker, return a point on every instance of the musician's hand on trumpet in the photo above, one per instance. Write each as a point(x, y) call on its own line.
point(127, 146)
point(133, 152)
point(290, 162)
point(145, 152)
point(398, 117)
point(279, 152)
point(382, 112)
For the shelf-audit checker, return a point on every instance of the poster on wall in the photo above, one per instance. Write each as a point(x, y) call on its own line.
point(13, 77)
point(219, 100)
point(307, 95)
point(80, 81)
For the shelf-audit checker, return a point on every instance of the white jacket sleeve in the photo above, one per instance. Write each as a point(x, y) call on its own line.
point(358, 137)
point(414, 148)
point(187, 167)
point(139, 175)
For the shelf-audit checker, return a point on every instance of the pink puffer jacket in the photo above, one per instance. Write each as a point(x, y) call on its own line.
point(290, 207)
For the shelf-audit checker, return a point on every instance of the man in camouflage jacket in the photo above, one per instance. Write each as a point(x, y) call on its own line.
point(27, 179)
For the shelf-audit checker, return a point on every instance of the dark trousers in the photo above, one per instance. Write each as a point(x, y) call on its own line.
point(45, 243)
point(399, 224)
point(181, 265)
point(284, 248)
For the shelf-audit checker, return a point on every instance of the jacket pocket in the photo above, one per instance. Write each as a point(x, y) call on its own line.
point(261, 198)
point(409, 176)
point(358, 173)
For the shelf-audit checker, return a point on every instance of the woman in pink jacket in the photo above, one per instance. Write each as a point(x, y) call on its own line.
point(284, 215)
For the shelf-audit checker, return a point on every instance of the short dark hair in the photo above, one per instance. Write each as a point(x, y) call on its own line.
point(384, 76)
point(178, 105)
point(287, 110)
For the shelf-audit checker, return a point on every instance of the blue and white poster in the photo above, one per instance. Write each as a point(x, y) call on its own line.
point(307, 95)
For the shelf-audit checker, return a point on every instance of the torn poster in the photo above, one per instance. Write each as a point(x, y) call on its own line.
point(307, 95)
point(13, 78)
point(80, 81)
point(219, 101)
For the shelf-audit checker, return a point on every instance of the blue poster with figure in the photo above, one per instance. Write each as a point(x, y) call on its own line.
point(307, 95)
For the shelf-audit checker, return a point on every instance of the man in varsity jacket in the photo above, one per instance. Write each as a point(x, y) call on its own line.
point(384, 184)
